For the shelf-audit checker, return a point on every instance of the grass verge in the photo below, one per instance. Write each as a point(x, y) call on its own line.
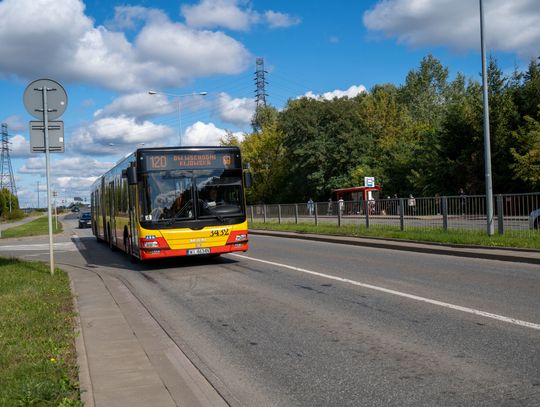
point(36, 227)
point(38, 361)
point(453, 236)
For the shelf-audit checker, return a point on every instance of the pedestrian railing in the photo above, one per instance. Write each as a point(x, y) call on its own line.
point(511, 213)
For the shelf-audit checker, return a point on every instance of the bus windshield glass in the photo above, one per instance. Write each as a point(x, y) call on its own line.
point(179, 195)
point(219, 193)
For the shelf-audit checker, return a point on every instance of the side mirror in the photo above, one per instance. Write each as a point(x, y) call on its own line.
point(131, 174)
point(248, 180)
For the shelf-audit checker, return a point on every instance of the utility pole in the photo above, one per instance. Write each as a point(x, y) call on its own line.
point(38, 195)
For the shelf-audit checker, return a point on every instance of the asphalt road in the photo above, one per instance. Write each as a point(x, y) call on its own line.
point(300, 323)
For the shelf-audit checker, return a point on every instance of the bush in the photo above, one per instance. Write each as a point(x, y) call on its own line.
point(9, 206)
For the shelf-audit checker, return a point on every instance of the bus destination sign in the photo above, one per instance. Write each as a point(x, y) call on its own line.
point(185, 160)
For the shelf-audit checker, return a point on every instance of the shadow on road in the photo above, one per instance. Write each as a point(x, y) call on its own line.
point(98, 254)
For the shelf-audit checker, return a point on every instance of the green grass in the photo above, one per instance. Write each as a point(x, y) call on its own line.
point(37, 227)
point(453, 236)
point(38, 363)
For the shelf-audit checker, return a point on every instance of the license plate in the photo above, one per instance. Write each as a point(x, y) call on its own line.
point(192, 252)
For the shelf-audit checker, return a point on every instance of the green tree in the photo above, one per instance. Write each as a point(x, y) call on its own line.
point(503, 119)
point(424, 93)
point(325, 140)
point(528, 95)
point(9, 205)
point(526, 164)
point(230, 140)
point(389, 125)
point(265, 153)
point(425, 97)
point(264, 115)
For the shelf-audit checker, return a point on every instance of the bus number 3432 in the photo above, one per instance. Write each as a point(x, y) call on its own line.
point(219, 232)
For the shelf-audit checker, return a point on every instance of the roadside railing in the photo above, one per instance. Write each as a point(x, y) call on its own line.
point(511, 213)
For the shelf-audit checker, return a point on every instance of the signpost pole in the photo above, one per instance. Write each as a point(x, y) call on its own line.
point(38, 106)
point(48, 169)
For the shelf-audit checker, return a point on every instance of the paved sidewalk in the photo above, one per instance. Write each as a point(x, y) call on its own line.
point(125, 357)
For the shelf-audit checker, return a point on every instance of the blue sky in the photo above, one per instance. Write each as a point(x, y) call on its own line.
point(109, 54)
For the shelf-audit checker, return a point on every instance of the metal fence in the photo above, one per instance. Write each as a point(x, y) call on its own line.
point(512, 213)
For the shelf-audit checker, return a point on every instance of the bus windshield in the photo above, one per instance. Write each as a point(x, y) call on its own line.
point(178, 195)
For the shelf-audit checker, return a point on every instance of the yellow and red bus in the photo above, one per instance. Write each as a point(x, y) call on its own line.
point(173, 201)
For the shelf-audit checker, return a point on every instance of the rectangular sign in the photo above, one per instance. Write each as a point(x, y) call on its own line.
point(56, 136)
point(188, 160)
point(369, 182)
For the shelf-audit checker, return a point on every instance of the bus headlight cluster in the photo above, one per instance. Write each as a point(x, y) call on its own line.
point(240, 238)
point(150, 244)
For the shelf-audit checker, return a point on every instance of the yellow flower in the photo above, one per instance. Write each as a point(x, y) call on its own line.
point(53, 360)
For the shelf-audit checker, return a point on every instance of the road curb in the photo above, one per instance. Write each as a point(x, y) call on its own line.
point(85, 382)
point(529, 256)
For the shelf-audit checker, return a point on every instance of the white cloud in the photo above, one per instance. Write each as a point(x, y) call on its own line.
point(67, 167)
point(280, 20)
point(117, 136)
point(350, 93)
point(144, 105)
point(20, 147)
point(67, 187)
point(184, 53)
point(235, 111)
point(15, 123)
point(233, 15)
point(510, 26)
point(127, 17)
point(206, 134)
point(81, 183)
point(138, 105)
point(219, 13)
point(163, 53)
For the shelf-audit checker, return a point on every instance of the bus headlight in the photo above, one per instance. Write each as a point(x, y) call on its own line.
point(241, 237)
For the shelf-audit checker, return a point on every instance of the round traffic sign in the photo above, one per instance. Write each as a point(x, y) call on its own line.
point(56, 99)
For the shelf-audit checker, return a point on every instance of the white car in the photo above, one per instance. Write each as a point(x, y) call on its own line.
point(534, 219)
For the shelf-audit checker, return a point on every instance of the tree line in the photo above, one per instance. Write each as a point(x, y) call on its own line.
point(9, 205)
point(424, 137)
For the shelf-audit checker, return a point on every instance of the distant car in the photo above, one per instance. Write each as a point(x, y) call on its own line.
point(85, 220)
point(75, 209)
point(534, 219)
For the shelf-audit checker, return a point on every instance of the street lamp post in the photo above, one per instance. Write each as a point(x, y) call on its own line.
point(157, 92)
point(487, 143)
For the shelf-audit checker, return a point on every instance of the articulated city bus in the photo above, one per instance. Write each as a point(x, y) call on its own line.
point(173, 201)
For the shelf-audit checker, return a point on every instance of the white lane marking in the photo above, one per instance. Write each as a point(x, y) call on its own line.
point(67, 246)
point(401, 294)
